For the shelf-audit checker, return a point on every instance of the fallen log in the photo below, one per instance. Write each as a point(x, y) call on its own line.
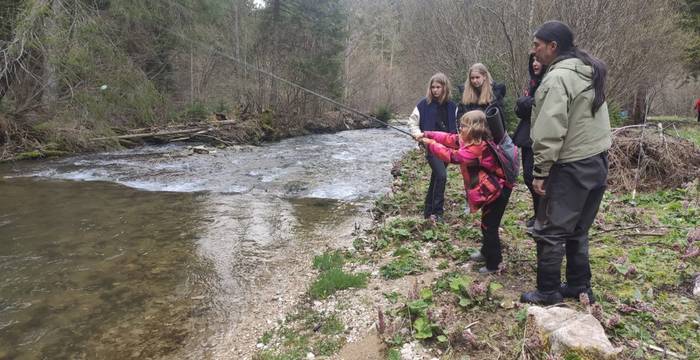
point(205, 127)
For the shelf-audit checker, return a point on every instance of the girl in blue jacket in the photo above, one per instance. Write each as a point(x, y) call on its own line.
point(435, 112)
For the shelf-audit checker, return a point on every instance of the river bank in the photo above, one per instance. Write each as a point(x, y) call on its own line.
point(418, 296)
point(218, 129)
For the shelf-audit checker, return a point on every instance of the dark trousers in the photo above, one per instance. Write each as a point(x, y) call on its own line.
point(491, 215)
point(698, 115)
point(567, 210)
point(435, 198)
point(528, 157)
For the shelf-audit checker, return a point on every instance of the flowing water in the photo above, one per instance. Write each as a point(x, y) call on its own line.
point(162, 253)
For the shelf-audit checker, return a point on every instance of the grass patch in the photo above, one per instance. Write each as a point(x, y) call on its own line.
point(303, 331)
point(333, 280)
point(692, 134)
point(329, 260)
point(670, 118)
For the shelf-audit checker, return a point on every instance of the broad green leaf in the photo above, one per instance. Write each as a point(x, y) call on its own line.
point(423, 328)
point(426, 294)
point(417, 307)
point(460, 283)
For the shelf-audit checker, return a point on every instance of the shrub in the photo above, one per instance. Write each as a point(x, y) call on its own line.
point(383, 113)
point(196, 111)
point(617, 116)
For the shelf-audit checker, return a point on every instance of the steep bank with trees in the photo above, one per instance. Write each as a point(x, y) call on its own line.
point(77, 70)
point(72, 70)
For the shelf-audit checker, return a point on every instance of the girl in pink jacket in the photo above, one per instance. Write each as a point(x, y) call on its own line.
point(484, 180)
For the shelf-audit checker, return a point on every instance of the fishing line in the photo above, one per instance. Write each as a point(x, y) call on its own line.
point(213, 49)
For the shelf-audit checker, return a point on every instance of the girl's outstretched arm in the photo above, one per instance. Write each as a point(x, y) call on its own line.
point(444, 138)
point(440, 151)
point(465, 155)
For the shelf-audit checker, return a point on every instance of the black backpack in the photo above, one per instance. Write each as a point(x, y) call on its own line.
point(502, 146)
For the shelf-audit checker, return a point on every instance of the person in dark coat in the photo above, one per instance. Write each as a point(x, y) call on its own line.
point(480, 92)
point(521, 136)
point(435, 112)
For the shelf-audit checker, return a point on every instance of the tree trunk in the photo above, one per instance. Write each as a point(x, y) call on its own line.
point(639, 105)
point(51, 90)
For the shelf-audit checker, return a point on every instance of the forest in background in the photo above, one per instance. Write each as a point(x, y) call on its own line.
point(72, 70)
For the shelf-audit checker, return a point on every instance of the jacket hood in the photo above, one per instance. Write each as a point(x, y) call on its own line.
point(576, 65)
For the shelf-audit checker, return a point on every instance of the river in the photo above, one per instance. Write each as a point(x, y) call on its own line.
point(159, 252)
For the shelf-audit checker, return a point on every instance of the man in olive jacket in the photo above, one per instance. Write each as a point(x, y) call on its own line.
point(571, 135)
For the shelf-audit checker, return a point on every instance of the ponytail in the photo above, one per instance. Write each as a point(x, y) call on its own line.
point(600, 74)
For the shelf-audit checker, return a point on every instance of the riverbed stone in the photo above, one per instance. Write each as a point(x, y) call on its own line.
point(566, 330)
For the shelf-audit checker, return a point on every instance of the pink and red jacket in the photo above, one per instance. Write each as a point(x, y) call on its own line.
point(483, 176)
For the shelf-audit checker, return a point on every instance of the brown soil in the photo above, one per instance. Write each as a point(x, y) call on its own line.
point(370, 347)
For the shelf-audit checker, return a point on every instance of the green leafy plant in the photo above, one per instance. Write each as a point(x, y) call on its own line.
point(404, 263)
point(474, 292)
point(418, 311)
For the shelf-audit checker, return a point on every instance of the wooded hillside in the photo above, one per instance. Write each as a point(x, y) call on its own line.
point(71, 70)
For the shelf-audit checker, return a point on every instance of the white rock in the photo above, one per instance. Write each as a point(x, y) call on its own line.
point(566, 329)
point(310, 356)
point(696, 289)
point(259, 345)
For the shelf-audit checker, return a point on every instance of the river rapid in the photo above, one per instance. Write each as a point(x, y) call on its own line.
point(160, 252)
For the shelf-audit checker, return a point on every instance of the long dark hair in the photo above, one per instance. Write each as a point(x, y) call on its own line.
point(558, 31)
point(600, 74)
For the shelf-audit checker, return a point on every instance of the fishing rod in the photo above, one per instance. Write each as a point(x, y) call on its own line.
point(283, 80)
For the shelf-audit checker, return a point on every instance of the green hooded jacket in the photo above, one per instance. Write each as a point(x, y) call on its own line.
point(563, 126)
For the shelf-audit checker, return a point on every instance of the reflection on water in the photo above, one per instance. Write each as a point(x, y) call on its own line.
point(91, 269)
point(94, 269)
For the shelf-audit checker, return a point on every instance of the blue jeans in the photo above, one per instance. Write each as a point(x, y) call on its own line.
point(435, 198)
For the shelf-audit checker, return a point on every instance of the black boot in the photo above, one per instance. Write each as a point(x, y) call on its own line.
point(574, 292)
point(542, 297)
point(530, 225)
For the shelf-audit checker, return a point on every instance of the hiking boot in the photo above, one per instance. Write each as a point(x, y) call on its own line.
point(436, 219)
point(542, 297)
point(574, 292)
point(477, 256)
point(530, 225)
point(485, 270)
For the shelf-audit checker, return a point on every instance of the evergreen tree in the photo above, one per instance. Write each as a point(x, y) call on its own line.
point(691, 22)
point(304, 40)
